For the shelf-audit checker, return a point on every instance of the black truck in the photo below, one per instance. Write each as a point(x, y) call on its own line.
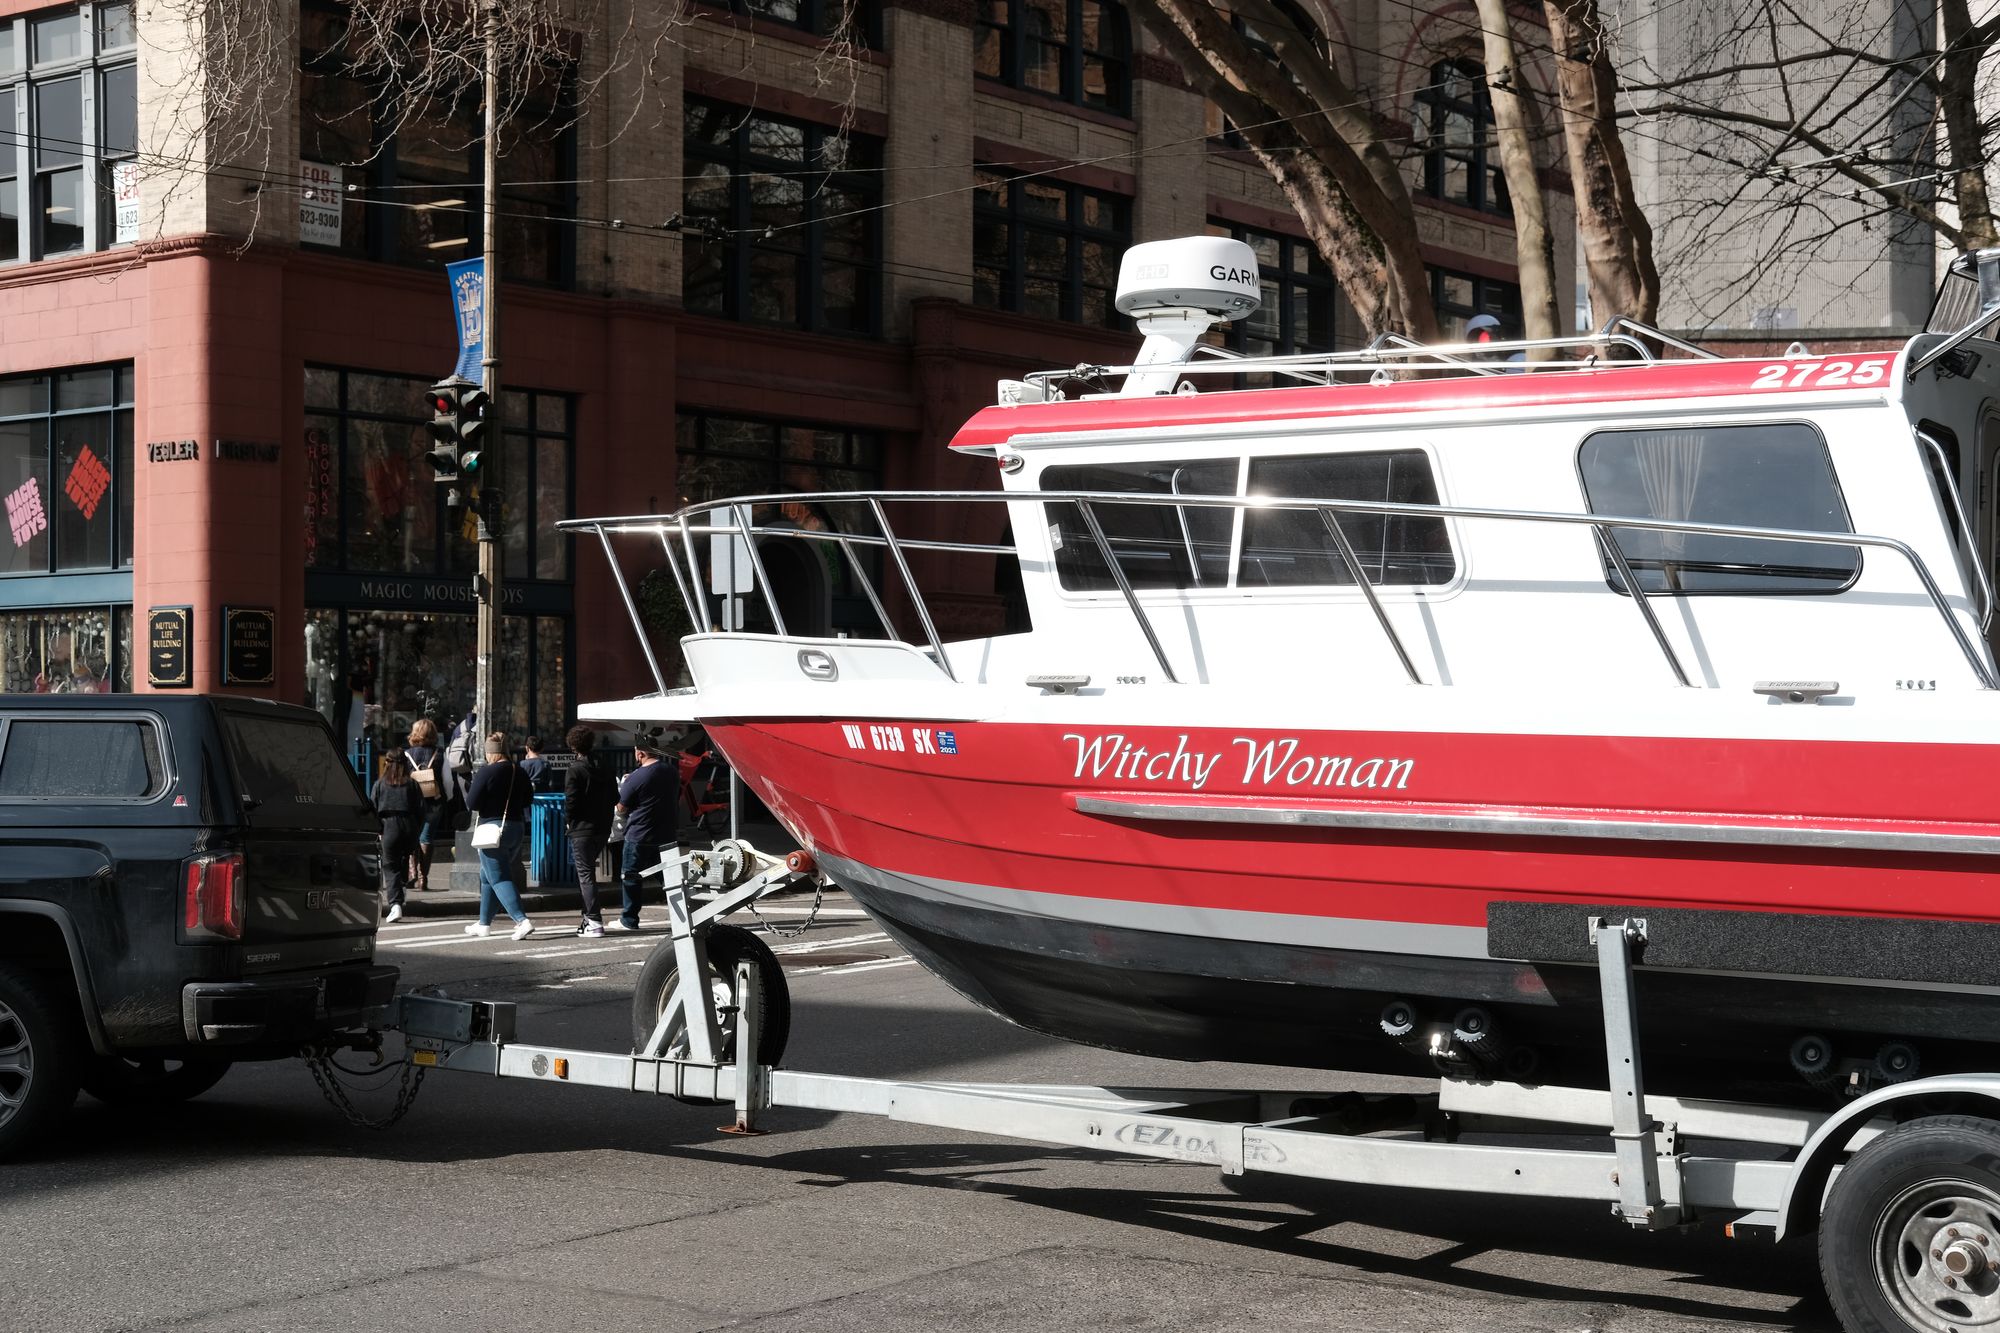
point(185, 882)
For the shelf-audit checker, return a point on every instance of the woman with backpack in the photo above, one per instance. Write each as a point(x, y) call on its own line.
point(436, 789)
point(399, 804)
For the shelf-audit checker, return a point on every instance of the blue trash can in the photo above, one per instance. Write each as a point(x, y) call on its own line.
point(548, 842)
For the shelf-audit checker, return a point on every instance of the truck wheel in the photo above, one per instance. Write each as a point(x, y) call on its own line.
point(727, 947)
point(118, 1080)
point(38, 1059)
point(1910, 1239)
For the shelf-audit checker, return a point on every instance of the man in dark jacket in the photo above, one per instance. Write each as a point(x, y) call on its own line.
point(589, 795)
point(647, 796)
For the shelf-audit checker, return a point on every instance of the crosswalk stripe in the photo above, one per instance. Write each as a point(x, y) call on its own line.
point(871, 965)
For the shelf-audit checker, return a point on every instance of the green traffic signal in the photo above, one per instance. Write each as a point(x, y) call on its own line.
point(459, 412)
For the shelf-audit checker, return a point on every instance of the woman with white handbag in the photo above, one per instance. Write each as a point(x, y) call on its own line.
point(499, 798)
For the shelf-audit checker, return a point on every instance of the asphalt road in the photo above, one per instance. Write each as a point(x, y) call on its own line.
point(514, 1206)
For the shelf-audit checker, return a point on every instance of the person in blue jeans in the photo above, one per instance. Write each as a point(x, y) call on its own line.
point(648, 797)
point(500, 794)
point(589, 793)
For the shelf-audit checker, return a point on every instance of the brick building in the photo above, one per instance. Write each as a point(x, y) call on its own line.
point(800, 269)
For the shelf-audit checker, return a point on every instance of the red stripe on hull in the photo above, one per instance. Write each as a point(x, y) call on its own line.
point(994, 807)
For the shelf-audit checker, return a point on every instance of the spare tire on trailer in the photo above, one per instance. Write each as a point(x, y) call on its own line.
point(728, 946)
point(1910, 1236)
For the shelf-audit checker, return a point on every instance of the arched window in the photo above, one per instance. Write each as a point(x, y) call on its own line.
point(1077, 50)
point(1453, 117)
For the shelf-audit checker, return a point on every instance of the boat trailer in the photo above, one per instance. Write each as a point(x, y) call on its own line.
point(1921, 1256)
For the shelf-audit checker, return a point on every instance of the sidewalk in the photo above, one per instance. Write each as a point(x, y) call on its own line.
point(455, 882)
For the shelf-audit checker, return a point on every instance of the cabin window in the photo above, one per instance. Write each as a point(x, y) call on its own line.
point(1158, 546)
point(1769, 476)
point(1292, 548)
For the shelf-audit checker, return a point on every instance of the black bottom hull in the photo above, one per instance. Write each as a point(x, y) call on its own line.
point(1169, 996)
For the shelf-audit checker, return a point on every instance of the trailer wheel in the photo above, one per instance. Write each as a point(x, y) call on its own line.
point(727, 947)
point(38, 1058)
point(1910, 1239)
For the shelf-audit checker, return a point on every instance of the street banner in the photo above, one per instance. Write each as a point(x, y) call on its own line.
point(468, 305)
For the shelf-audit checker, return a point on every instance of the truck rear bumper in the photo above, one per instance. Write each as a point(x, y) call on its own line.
point(285, 1009)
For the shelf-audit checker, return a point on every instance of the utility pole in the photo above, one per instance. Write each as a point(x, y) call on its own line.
point(485, 689)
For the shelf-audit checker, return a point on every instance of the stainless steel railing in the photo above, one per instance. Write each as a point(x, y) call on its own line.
point(701, 518)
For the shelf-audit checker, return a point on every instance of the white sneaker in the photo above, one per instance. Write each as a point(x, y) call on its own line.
point(524, 929)
point(476, 929)
point(395, 912)
point(590, 930)
point(618, 925)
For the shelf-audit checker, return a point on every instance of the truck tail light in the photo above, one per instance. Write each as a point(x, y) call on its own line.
point(214, 898)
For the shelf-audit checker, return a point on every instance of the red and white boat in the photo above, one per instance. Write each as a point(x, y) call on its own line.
point(1337, 718)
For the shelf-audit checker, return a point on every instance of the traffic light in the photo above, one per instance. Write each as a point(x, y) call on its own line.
point(459, 409)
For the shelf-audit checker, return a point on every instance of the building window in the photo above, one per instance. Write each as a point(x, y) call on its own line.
point(421, 173)
point(1046, 248)
point(1297, 314)
point(373, 504)
point(69, 129)
point(1077, 50)
point(71, 650)
point(718, 457)
point(66, 470)
point(856, 21)
point(783, 221)
point(1457, 297)
point(1454, 132)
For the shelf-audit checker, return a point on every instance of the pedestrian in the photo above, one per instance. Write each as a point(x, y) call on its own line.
point(400, 805)
point(458, 750)
point(499, 798)
point(541, 773)
point(588, 797)
point(437, 790)
point(647, 798)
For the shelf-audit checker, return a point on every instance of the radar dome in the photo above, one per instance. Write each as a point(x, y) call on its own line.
point(1207, 273)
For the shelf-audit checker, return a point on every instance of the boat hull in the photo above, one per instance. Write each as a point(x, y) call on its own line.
point(1003, 864)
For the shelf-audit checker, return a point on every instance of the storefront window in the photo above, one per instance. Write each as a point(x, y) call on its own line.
point(76, 650)
point(373, 673)
point(66, 470)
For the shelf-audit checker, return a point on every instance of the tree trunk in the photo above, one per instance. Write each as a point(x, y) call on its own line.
point(1617, 241)
point(1964, 49)
point(1534, 246)
point(1356, 220)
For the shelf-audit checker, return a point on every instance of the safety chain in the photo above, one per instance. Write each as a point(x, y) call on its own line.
point(783, 933)
point(327, 1075)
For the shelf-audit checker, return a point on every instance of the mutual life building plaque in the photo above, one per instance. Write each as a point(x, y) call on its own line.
point(249, 645)
point(170, 647)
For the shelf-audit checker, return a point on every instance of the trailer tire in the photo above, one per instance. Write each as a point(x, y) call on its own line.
point(40, 1044)
point(727, 947)
point(1910, 1238)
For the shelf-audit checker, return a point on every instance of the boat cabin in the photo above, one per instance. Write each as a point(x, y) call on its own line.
point(1463, 485)
point(1606, 514)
